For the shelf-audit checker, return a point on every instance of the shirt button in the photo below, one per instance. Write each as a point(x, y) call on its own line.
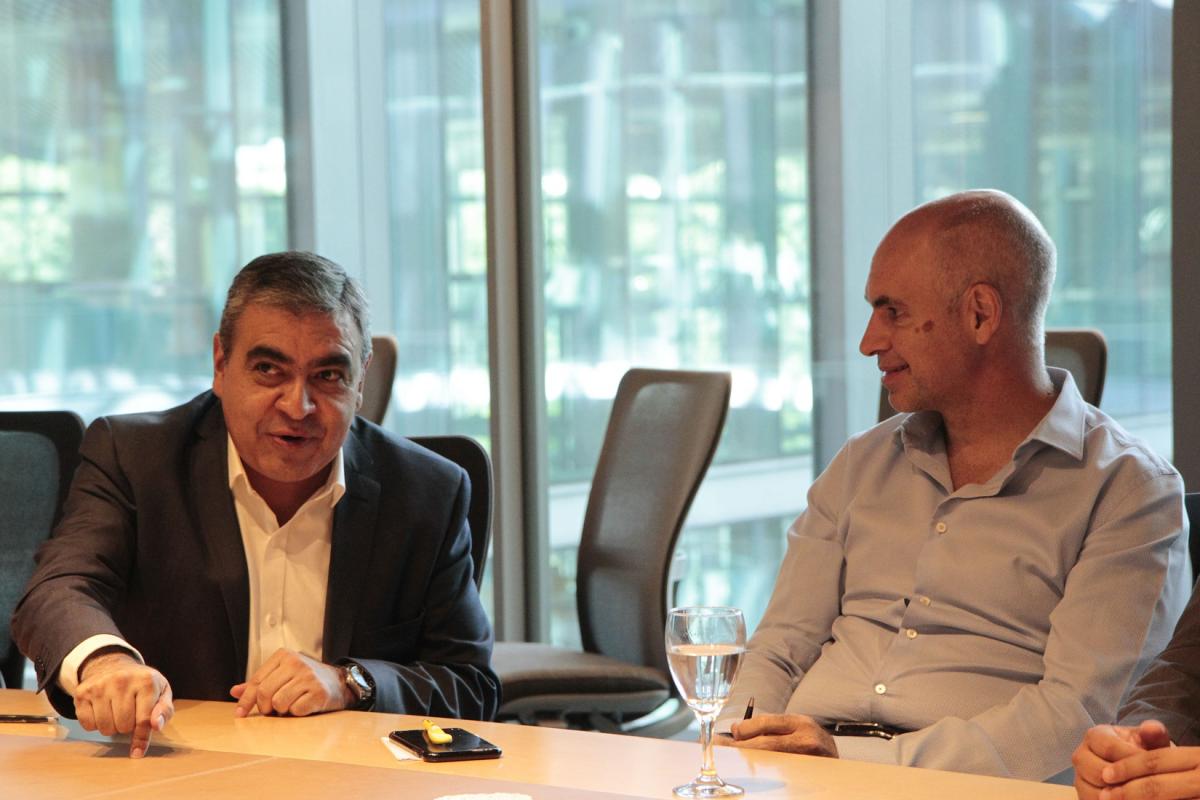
point(940, 527)
point(925, 601)
point(271, 620)
point(880, 688)
point(911, 633)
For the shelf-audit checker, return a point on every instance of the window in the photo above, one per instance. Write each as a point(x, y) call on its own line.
point(436, 277)
point(136, 176)
point(142, 162)
point(674, 190)
point(1067, 106)
point(438, 256)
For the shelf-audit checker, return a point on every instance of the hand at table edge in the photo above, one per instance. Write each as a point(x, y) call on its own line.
point(293, 684)
point(785, 733)
point(117, 693)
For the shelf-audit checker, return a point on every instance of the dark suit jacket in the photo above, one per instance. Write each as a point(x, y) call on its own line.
point(1169, 691)
point(149, 549)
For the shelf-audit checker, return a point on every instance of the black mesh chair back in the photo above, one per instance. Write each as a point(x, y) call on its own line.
point(39, 451)
point(661, 435)
point(1081, 351)
point(470, 455)
point(381, 374)
point(660, 440)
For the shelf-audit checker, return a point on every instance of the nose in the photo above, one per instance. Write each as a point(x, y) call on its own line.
point(874, 338)
point(295, 400)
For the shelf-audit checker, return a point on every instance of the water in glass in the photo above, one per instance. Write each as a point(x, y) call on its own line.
point(705, 645)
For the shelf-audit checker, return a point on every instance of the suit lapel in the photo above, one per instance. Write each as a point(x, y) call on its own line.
point(350, 553)
point(215, 519)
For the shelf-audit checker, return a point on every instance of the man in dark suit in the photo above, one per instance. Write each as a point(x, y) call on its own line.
point(261, 541)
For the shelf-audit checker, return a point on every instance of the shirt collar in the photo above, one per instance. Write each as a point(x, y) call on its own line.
point(334, 486)
point(1062, 428)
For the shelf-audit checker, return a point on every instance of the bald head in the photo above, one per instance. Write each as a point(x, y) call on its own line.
point(990, 237)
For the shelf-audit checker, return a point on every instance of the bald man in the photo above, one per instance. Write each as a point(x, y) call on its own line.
point(976, 581)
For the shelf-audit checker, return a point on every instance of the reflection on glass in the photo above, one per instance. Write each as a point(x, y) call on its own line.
point(1067, 106)
point(438, 257)
point(141, 163)
point(675, 218)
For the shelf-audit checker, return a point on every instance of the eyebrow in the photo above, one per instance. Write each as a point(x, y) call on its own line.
point(882, 300)
point(262, 351)
point(270, 353)
point(333, 360)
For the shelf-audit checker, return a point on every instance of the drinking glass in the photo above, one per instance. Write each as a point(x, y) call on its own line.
point(705, 645)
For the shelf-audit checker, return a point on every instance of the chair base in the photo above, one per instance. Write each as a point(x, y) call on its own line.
point(651, 713)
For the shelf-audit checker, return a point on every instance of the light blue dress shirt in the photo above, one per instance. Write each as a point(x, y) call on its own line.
point(999, 621)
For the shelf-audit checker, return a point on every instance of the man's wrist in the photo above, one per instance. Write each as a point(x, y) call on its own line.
point(103, 657)
point(349, 699)
point(357, 686)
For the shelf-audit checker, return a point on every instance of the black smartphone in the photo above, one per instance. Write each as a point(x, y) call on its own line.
point(465, 745)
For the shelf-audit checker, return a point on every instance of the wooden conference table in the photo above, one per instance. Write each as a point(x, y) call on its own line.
point(207, 752)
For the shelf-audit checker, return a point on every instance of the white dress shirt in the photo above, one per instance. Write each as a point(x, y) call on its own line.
point(288, 570)
point(288, 565)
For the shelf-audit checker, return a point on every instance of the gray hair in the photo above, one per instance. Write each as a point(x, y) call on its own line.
point(992, 237)
point(301, 283)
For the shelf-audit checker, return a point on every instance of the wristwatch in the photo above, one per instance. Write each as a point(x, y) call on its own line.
point(360, 685)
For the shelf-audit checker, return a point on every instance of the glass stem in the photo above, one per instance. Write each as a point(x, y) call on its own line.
point(709, 770)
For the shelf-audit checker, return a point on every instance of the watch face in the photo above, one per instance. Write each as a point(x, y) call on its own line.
point(357, 682)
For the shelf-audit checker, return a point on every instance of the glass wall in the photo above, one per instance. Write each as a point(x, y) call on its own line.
point(1067, 106)
point(437, 228)
point(141, 163)
point(674, 209)
point(436, 305)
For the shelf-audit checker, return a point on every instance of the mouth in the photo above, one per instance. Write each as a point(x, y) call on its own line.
point(291, 439)
point(892, 374)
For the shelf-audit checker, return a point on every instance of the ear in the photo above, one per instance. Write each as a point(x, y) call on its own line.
point(219, 364)
point(362, 381)
point(982, 309)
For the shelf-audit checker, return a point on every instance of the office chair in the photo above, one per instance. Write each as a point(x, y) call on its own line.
point(661, 435)
point(377, 385)
point(1081, 351)
point(1084, 353)
point(470, 455)
point(39, 451)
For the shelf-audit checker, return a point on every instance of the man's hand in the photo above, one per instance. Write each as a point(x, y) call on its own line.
point(1166, 773)
point(786, 733)
point(1106, 745)
point(292, 683)
point(119, 694)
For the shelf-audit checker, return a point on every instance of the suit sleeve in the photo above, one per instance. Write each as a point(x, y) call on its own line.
point(1170, 689)
point(82, 570)
point(451, 675)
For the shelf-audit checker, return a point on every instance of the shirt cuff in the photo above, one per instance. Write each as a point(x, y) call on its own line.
point(68, 673)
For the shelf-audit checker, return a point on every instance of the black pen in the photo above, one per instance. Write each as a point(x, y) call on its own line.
point(43, 718)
